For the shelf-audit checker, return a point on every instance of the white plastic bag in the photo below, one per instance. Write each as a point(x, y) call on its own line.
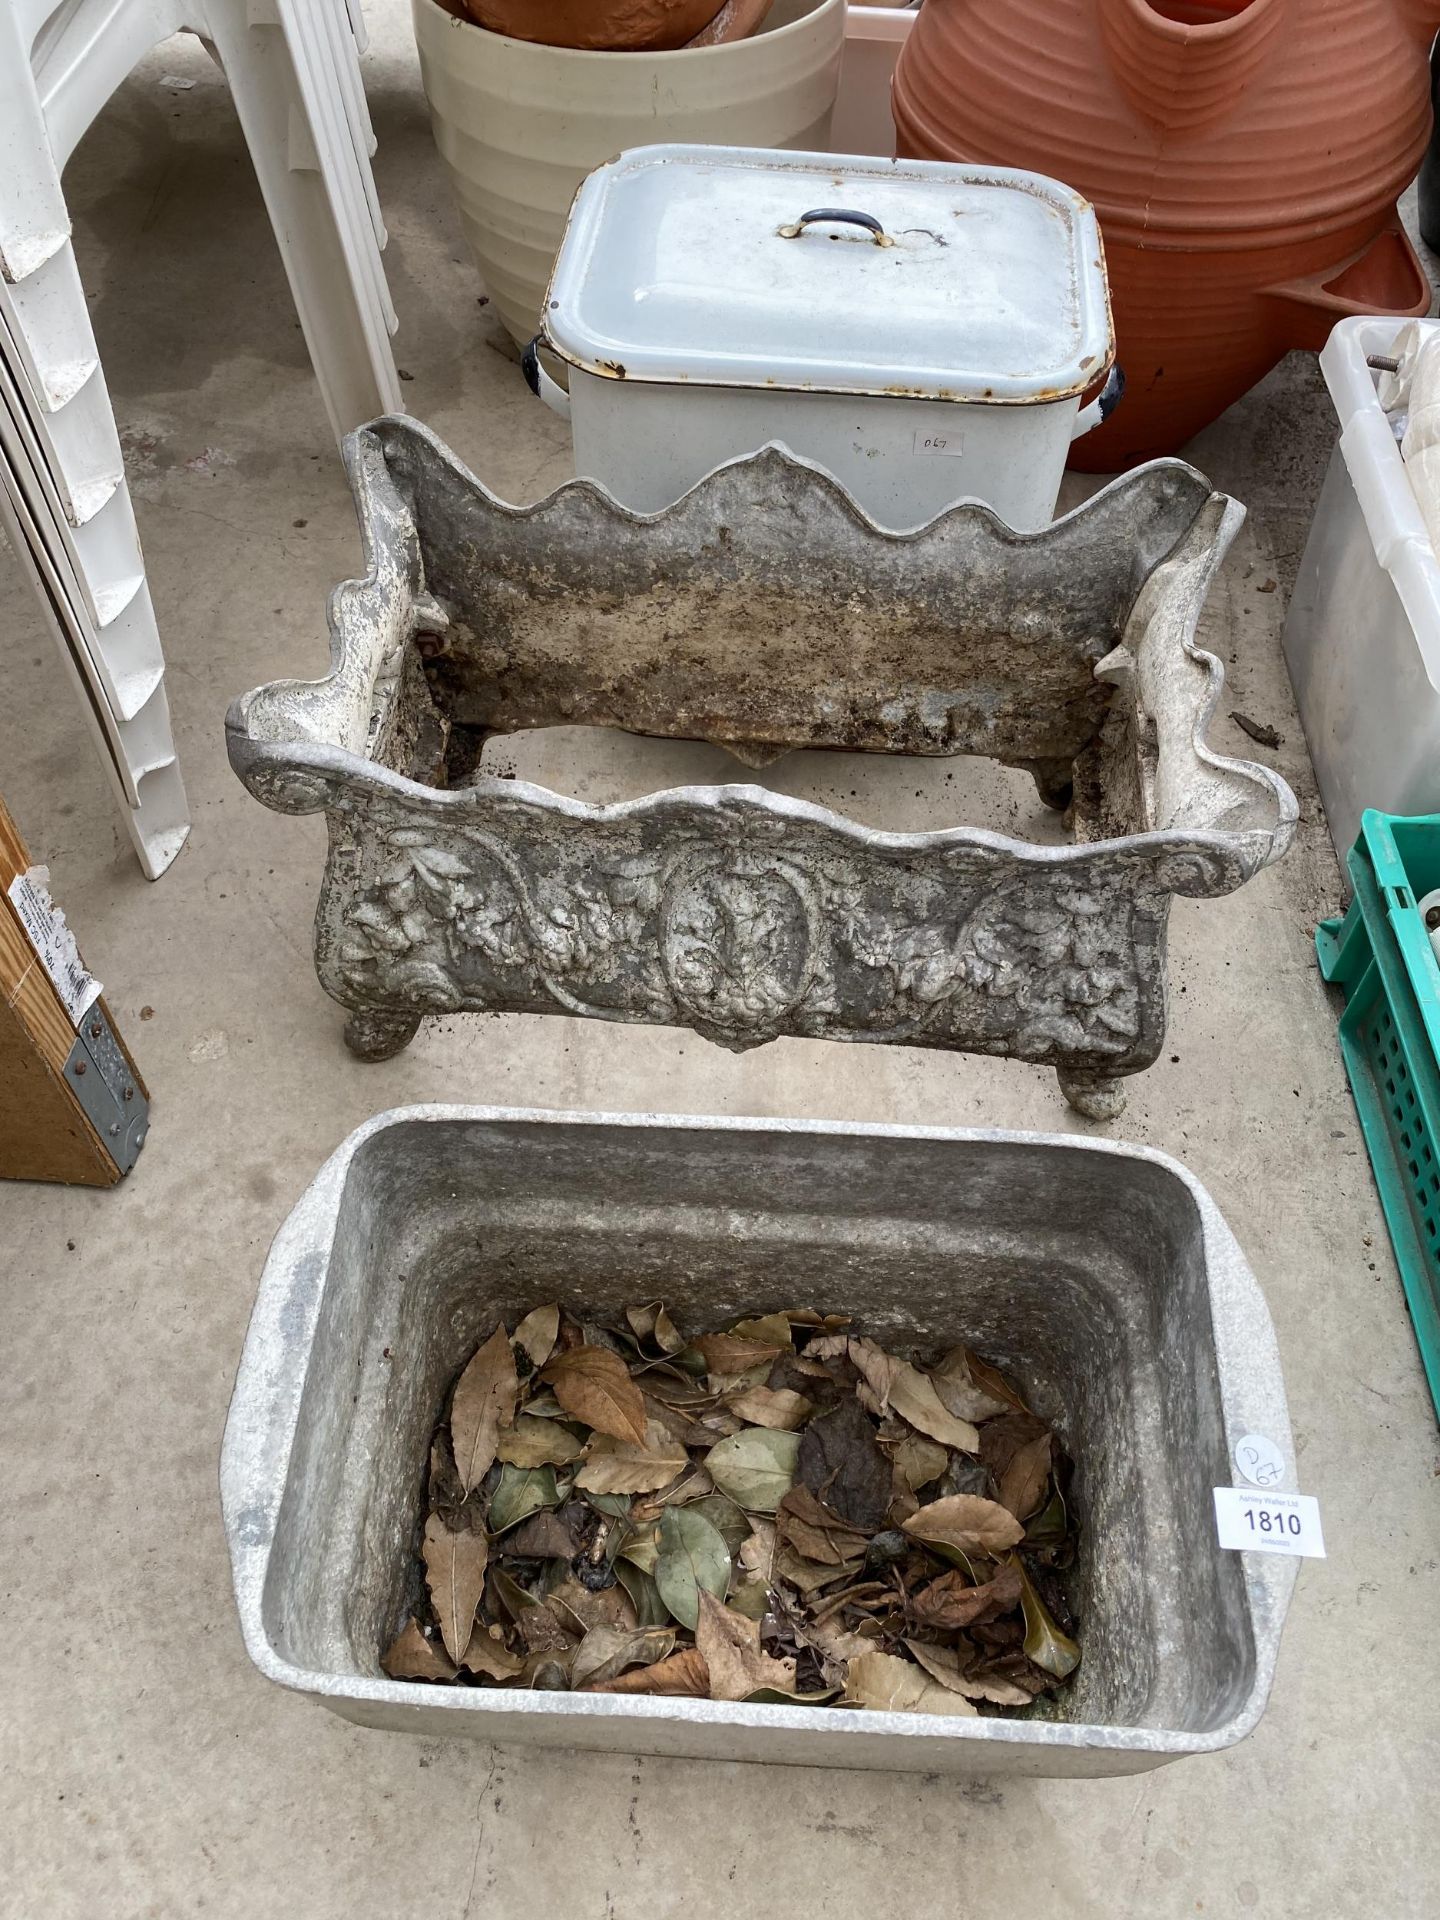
point(1415, 387)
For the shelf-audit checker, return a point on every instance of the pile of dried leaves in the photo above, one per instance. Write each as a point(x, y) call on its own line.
point(779, 1512)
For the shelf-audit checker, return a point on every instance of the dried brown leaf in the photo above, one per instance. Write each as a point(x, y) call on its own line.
point(877, 1370)
point(771, 1407)
point(653, 1323)
point(887, 1684)
point(717, 1425)
point(729, 1644)
point(537, 1333)
point(686, 1395)
point(544, 1536)
point(835, 1642)
point(410, 1656)
point(913, 1396)
point(902, 1501)
point(541, 1630)
point(1004, 1437)
point(919, 1461)
point(619, 1466)
point(687, 1487)
point(750, 1595)
point(816, 1533)
point(1012, 1670)
point(951, 1603)
point(808, 1575)
point(537, 1443)
point(684, 1673)
point(757, 1554)
point(485, 1397)
point(960, 1393)
point(488, 1654)
point(606, 1651)
point(505, 1593)
point(875, 1367)
point(990, 1380)
point(864, 1596)
point(728, 1355)
point(641, 1320)
point(578, 1606)
point(546, 1672)
point(443, 1488)
point(1023, 1483)
point(768, 1329)
point(1005, 1635)
point(594, 1385)
point(828, 1346)
point(541, 1404)
point(675, 1421)
point(966, 1521)
point(455, 1572)
point(945, 1665)
point(840, 1461)
point(642, 1549)
point(697, 1484)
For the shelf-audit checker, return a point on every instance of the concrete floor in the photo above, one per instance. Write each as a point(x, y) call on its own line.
point(145, 1768)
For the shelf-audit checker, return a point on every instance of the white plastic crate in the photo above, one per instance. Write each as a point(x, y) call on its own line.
point(1362, 638)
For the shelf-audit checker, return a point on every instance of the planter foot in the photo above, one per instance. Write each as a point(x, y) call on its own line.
point(380, 1036)
point(1054, 782)
point(1099, 1096)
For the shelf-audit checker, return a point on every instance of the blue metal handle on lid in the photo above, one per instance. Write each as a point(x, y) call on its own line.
point(848, 216)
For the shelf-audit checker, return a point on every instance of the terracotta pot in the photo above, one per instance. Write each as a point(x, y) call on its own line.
point(736, 20)
point(1244, 160)
point(519, 125)
point(617, 26)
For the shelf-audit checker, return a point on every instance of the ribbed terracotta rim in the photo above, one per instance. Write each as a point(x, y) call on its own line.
point(1211, 30)
point(1175, 229)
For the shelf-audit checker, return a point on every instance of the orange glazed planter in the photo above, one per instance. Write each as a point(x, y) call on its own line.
point(1244, 157)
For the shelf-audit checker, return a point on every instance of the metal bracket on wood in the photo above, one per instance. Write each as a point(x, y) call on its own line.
point(113, 1100)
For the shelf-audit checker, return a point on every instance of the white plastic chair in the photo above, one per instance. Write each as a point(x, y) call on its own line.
point(293, 69)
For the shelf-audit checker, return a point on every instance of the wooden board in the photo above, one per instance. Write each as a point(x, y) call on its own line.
point(45, 1133)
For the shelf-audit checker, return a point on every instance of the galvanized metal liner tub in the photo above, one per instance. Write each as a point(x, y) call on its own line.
point(1102, 1275)
point(519, 125)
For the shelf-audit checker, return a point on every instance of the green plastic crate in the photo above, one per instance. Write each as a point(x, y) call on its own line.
point(1380, 954)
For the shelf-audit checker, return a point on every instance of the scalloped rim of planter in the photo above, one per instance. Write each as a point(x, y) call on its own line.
point(290, 744)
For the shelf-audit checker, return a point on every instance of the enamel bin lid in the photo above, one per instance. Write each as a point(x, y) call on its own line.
point(698, 265)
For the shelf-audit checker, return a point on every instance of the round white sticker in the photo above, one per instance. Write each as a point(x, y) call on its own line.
point(1260, 1460)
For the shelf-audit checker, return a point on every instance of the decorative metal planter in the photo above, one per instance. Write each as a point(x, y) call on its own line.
point(1100, 1275)
point(764, 612)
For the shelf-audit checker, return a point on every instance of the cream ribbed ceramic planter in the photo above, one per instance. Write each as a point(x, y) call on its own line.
point(519, 125)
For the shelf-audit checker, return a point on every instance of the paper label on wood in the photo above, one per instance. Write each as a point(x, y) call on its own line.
point(53, 942)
